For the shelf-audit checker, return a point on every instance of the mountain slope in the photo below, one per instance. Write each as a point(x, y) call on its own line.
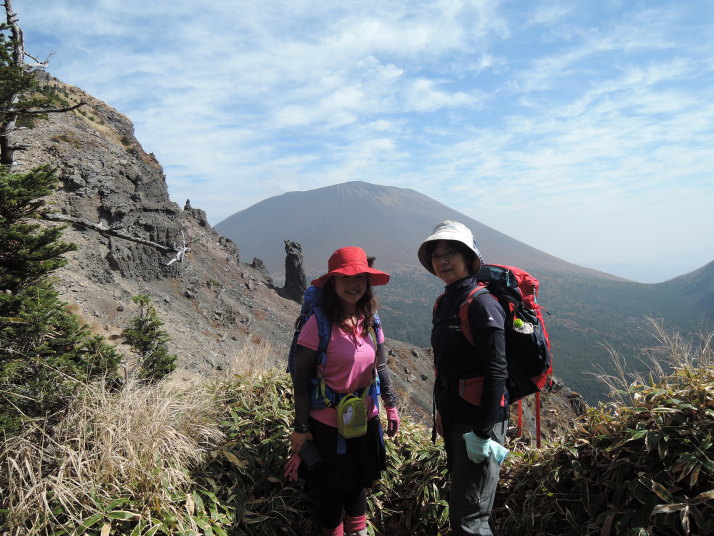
point(390, 221)
point(589, 311)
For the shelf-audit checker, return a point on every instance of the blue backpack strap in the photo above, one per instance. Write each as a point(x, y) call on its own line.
point(376, 391)
point(324, 331)
point(341, 444)
point(323, 393)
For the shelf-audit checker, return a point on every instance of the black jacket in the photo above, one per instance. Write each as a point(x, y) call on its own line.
point(456, 358)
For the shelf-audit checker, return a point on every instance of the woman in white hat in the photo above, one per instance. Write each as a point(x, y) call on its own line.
point(355, 351)
point(470, 385)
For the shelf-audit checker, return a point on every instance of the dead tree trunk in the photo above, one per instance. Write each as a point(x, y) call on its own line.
point(7, 148)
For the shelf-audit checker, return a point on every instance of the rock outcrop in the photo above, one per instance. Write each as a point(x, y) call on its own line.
point(295, 282)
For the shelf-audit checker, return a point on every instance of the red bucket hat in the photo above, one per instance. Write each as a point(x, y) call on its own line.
point(351, 261)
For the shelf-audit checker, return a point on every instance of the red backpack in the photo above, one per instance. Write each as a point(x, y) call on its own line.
point(527, 343)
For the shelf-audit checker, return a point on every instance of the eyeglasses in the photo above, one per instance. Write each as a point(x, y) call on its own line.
point(446, 256)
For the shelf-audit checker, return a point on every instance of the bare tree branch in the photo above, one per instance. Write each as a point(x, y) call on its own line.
point(180, 251)
point(38, 64)
point(47, 110)
point(53, 216)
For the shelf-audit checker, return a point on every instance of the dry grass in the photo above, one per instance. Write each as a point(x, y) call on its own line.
point(672, 351)
point(254, 358)
point(138, 443)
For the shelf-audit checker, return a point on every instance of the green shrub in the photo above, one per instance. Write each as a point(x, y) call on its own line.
point(149, 340)
point(645, 468)
point(412, 496)
point(247, 472)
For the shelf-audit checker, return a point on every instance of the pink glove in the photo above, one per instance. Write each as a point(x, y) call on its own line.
point(392, 421)
point(291, 468)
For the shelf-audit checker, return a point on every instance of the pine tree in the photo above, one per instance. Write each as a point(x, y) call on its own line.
point(44, 351)
point(149, 340)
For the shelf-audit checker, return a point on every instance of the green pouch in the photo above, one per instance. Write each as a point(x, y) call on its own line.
point(352, 416)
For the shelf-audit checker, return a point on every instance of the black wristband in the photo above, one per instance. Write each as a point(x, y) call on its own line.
point(300, 428)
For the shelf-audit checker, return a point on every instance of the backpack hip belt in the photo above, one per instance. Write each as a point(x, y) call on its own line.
point(469, 389)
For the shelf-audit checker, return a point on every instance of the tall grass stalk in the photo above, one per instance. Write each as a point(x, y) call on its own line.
point(252, 359)
point(138, 444)
point(671, 351)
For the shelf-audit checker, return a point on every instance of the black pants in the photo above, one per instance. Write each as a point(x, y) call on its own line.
point(473, 485)
point(343, 478)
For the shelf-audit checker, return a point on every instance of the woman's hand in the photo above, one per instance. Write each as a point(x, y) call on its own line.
point(297, 440)
point(291, 468)
point(392, 421)
point(437, 424)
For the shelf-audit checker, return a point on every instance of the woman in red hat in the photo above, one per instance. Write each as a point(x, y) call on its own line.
point(354, 360)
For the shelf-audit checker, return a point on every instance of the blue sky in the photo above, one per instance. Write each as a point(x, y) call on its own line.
point(583, 128)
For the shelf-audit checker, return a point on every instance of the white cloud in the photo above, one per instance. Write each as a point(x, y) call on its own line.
point(596, 116)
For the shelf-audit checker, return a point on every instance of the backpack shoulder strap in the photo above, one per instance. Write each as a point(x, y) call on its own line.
point(324, 330)
point(464, 311)
point(372, 330)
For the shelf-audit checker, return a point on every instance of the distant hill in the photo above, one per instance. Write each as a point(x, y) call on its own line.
point(389, 222)
point(588, 309)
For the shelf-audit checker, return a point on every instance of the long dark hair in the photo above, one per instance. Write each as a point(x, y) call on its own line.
point(366, 306)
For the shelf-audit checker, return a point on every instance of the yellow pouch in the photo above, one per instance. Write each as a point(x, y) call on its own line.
point(352, 417)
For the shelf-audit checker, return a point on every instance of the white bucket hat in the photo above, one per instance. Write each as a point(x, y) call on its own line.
point(451, 230)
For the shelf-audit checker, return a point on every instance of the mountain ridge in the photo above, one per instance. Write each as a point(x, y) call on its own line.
point(256, 230)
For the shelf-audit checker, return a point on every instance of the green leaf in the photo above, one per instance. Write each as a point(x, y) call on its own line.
point(661, 492)
point(154, 529)
point(89, 522)
point(122, 515)
point(117, 502)
point(651, 440)
point(218, 530)
point(635, 434)
point(662, 447)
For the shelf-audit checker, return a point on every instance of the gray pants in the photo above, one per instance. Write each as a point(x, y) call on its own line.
point(473, 485)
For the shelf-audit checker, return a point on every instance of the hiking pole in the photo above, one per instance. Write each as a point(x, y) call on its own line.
point(537, 416)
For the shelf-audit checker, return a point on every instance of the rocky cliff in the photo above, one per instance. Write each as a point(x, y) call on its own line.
point(212, 304)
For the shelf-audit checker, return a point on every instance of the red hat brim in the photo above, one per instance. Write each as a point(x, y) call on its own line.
point(351, 261)
point(376, 277)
